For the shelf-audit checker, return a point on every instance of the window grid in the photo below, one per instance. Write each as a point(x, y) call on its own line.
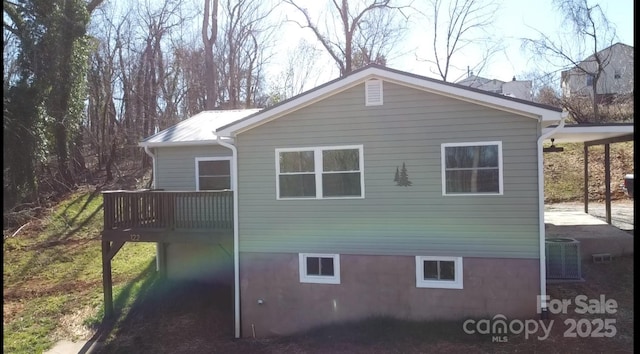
point(319, 172)
point(199, 176)
point(447, 177)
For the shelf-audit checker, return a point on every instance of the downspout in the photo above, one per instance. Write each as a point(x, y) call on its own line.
point(153, 186)
point(543, 259)
point(236, 253)
point(153, 165)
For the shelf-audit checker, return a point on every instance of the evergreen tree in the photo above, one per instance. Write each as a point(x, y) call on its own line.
point(403, 179)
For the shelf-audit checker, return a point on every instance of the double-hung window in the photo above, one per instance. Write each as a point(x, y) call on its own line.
point(472, 168)
point(439, 272)
point(213, 173)
point(320, 172)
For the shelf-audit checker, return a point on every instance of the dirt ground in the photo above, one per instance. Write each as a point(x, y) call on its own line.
point(196, 318)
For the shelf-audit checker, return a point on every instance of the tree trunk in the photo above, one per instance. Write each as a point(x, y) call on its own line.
point(209, 40)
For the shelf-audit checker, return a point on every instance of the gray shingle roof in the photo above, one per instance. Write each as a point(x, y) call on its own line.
point(197, 129)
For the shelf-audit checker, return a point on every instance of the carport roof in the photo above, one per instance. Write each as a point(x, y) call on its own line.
point(592, 133)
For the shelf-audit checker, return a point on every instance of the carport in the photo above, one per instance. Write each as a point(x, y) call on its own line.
point(591, 135)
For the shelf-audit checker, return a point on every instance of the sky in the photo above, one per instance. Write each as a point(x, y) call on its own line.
point(515, 19)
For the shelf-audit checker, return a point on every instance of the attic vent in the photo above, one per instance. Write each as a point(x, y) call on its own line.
point(563, 258)
point(373, 93)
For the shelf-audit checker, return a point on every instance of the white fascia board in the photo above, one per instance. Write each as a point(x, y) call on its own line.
point(301, 102)
point(182, 143)
point(504, 104)
point(593, 129)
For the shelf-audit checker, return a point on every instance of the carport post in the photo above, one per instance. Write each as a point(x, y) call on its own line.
point(586, 178)
point(607, 181)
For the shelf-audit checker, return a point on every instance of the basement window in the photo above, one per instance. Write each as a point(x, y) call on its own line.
point(439, 272)
point(319, 268)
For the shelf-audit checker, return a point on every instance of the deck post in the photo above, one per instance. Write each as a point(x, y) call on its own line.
point(107, 281)
point(109, 250)
point(162, 254)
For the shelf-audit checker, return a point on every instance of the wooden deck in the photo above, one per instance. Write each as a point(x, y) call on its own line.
point(163, 217)
point(167, 216)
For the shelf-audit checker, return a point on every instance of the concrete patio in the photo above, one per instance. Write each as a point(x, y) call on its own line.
point(596, 236)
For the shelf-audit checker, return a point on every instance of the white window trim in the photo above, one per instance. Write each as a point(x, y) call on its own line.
point(480, 143)
point(228, 158)
point(319, 279)
point(440, 284)
point(318, 170)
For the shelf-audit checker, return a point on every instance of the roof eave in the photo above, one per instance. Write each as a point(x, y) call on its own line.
point(181, 143)
point(455, 91)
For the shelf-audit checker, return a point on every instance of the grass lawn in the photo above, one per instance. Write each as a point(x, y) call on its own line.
point(52, 278)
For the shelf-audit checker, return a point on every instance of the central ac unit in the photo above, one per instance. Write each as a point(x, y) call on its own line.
point(563, 258)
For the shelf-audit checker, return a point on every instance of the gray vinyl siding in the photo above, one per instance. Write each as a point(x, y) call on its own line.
point(391, 220)
point(176, 166)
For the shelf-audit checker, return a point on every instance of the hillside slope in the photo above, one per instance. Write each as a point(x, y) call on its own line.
point(564, 172)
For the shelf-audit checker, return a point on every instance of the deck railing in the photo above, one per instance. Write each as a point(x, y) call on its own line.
point(154, 209)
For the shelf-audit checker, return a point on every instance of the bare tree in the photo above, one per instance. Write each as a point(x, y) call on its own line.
point(209, 37)
point(547, 95)
point(371, 28)
point(136, 84)
point(457, 25)
point(246, 37)
point(297, 73)
point(579, 49)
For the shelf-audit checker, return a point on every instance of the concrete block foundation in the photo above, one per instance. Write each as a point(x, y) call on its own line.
point(275, 302)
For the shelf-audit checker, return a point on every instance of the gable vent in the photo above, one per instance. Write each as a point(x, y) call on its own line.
point(373, 92)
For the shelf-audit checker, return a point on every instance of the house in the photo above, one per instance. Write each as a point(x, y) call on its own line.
point(616, 77)
point(314, 220)
point(515, 88)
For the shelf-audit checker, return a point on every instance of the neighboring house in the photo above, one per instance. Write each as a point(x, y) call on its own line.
point(616, 77)
point(515, 88)
point(379, 193)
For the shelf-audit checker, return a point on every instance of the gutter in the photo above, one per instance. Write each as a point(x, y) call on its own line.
point(153, 186)
point(236, 253)
point(543, 259)
point(180, 143)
